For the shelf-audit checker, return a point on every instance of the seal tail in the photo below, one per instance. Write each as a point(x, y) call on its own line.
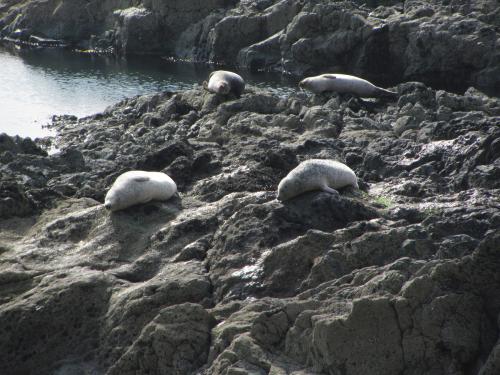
point(387, 94)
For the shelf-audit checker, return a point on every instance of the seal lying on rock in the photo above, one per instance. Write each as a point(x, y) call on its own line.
point(316, 174)
point(135, 187)
point(345, 84)
point(224, 82)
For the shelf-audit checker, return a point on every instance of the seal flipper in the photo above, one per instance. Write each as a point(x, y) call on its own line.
point(383, 93)
point(329, 76)
point(141, 179)
point(328, 189)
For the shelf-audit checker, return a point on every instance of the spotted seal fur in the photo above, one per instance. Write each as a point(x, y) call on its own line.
point(316, 174)
point(345, 84)
point(134, 187)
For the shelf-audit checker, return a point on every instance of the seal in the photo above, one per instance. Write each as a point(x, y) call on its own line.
point(135, 187)
point(225, 82)
point(345, 84)
point(316, 174)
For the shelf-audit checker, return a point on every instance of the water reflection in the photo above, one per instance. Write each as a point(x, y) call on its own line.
point(36, 84)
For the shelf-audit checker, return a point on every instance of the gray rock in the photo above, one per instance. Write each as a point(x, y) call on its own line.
point(137, 31)
point(398, 277)
point(176, 341)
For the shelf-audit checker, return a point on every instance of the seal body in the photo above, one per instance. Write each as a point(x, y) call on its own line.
point(135, 187)
point(316, 174)
point(225, 82)
point(344, 84)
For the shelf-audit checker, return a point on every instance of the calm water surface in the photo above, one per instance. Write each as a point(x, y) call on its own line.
point(36, 84)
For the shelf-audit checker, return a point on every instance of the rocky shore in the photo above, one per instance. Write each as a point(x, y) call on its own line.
point(399, 277)
point(445, 44)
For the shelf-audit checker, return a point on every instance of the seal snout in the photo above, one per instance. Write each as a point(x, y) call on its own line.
point(224, 88)
point(108, 206)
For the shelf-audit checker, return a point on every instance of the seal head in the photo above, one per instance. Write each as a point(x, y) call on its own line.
point(224, 82)
point(223, 88)
point(313, 85)
point(288, 188)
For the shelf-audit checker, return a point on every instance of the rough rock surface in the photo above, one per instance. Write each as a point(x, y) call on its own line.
point(445, 44)
point(400, 277)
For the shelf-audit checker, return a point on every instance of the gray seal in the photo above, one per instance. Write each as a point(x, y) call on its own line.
point(316, 174)
point(224, 82)
point(345, 84)
point(134, 187)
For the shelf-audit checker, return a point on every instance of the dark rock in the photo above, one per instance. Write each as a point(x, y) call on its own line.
point(137, 31)
point(14, 201)
point(18, 145)
point(162, 158)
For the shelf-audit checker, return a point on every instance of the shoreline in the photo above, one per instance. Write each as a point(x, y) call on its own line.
point(397, 277)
